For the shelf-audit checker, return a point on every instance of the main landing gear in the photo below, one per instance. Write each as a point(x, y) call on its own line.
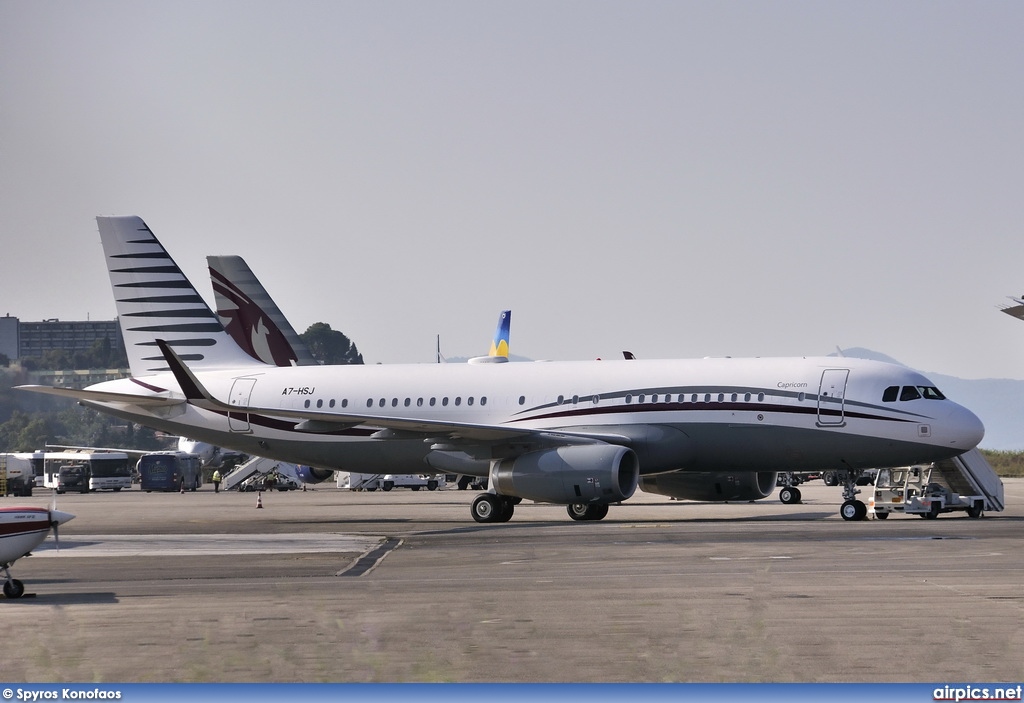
point(789, 493)
point(489, 507)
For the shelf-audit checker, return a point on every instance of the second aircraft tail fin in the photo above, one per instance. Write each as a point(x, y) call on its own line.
point(251, 316)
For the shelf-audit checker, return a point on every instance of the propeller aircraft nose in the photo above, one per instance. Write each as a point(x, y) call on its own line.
point(58, 517)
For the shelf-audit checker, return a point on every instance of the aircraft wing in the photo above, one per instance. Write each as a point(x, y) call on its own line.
point(388, 426)
point(162, 399)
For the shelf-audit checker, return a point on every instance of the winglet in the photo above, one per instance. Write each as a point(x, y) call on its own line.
point(190, 385)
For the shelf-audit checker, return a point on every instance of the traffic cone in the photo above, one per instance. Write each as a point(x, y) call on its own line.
point(259, 499)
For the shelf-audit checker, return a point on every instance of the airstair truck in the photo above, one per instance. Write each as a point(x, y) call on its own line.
point(966, 482)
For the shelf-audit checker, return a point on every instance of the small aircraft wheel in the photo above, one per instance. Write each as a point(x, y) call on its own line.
point(789, 495)
point(853, 510)
point(14, 589)
point(487, 508)
point(882, 515)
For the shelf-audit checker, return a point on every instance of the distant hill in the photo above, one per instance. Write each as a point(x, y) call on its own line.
point(999, 402)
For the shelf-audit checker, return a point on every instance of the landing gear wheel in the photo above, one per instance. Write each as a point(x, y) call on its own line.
point(789, 495)
point(508, 507)
point(14, 589)
point(853, 510)
point(584, 511)
point(488, 508)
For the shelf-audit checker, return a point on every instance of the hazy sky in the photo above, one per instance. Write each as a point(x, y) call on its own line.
point(675, 178)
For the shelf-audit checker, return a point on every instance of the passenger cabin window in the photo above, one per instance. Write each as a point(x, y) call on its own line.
point(890, 394)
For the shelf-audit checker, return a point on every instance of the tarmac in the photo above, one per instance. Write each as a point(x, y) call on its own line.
point(329, 585)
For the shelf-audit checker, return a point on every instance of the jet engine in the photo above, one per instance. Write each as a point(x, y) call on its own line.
point(311, 474)
point(711, 486)
point(591, 473)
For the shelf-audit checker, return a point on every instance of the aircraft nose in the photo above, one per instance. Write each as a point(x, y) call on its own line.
point(967, 430)
point(58, 517)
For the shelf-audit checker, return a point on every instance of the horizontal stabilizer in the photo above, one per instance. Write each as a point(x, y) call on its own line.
point(104, 396)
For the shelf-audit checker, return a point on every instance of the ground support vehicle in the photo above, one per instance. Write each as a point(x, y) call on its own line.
point(413, 481)
point(962, 484)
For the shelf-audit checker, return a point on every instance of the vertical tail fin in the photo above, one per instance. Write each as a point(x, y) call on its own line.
point(251, 316)
point(155, 300)
point(499, 347)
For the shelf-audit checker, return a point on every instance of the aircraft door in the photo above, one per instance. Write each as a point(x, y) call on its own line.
point(832, 397)
point(241, 389)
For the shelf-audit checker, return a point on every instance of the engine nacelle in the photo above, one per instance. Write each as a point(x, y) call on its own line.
point(711, 486)
point(311, 474)
point(591, 473)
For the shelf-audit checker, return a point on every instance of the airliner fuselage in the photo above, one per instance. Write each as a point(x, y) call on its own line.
point(773, 414)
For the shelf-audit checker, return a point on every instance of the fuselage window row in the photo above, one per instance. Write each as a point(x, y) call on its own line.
point(891, 394)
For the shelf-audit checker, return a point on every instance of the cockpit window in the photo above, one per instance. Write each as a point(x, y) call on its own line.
point(909, 393)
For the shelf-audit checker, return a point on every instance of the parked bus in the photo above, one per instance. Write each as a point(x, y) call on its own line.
point(86, 471)
point(169, 471)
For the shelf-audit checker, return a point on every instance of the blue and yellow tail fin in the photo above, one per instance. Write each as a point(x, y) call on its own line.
point(499, 347)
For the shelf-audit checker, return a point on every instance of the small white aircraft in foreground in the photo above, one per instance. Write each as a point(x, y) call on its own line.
point(22, 529)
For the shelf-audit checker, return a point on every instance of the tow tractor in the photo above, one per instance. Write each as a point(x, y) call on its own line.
point(911, 490)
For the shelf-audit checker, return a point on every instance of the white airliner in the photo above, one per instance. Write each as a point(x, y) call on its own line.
point(578, 433)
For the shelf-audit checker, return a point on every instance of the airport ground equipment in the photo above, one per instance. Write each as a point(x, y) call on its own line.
point(255, 467)
point(16, 478)
point(965, 483)
point(355, 481)
point(413, 481)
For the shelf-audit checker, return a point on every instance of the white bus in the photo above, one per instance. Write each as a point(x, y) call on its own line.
point(86, 470)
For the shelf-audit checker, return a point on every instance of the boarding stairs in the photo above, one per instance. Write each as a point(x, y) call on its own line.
point(256, 466)
point(971, 475)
